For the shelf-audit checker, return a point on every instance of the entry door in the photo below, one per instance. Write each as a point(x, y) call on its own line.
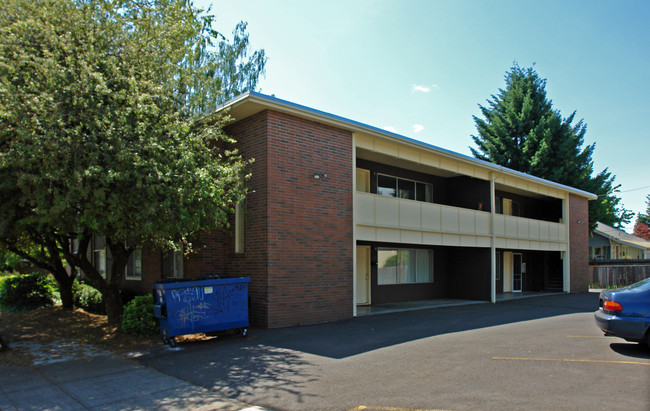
point(363, 274)
point(507, 272)
point(517, 273)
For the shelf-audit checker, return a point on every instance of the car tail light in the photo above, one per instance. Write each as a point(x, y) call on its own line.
point(612, 306)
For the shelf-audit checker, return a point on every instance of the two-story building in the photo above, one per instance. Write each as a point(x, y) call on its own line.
point(341, 215)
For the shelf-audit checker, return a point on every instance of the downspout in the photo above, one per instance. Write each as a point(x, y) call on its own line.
point(354, 226)
point(493, 269)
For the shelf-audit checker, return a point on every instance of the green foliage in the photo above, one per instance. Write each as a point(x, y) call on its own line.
point(8, 260)
point(138, 316)
point(88, 298)
point(27, 291)
point(642, 223)
point(106, 126)
point(520, 130)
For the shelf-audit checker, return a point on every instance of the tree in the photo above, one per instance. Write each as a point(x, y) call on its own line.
point(106, 127)
point(642, 224)
point(520, 130)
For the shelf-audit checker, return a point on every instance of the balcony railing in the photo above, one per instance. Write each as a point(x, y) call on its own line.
point(388, 213)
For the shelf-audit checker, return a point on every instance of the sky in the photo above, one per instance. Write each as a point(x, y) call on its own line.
point(421, 68)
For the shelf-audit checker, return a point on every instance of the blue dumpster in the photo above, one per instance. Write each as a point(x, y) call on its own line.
point(188, 306)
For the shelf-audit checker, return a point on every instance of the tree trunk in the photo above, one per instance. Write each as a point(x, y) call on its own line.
point(65, 281)
point(113, 304)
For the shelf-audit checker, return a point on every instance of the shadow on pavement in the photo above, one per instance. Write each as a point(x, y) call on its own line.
point(277, 361)
point(351, 337)
point(631, 349)
point(358, 335)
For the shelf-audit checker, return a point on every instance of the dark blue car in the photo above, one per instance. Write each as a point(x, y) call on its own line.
point(625, 312)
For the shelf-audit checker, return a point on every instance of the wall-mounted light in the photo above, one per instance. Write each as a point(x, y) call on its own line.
point(580, 221)
point(319, 175)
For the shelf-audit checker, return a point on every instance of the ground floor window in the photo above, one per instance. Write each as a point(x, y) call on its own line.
point(173, 264)
point(134, 265)
point(404, 266)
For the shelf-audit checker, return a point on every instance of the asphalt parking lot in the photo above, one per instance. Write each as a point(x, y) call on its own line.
point(537, 353)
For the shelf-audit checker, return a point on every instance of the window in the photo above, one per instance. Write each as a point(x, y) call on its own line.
point(404, 266)
point(99, 254)
point(404, 188)
point(499, 265)
point(173, 264)
point(134, 265)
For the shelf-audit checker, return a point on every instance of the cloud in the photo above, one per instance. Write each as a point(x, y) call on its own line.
point(390, 128)
point(421, 89)
point(417, 128)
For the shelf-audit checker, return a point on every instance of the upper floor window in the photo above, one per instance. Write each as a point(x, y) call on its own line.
point(507, 206)
point(403, 188)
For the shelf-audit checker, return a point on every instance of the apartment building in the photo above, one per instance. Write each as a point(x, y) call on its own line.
point(342, 215)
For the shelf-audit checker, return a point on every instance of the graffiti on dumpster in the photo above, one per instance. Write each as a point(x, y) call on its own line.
point(188, 295)
point(192, 314)
point(194, 305)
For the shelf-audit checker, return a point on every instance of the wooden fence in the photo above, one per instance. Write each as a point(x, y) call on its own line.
point(618, 273)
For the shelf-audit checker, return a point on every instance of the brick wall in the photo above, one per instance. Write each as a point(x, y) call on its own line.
point(579, 243)
point(310, 222)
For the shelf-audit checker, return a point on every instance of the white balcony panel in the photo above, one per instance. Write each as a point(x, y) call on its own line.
point(389, 235)
point(386, 211)
point(499, 225)
point(483, 242)
point(522, 227)
point(410, 214)
point(450, 220)
point(451, 240)
point(365, 209)
point(366, 233)
point(431, 217)
point(466, 221)
point(482, 223)
point(511, 227)
point(432, 238)
point(411, 237)
point(468, 241)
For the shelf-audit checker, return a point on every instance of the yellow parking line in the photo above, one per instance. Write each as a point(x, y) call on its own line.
point(571, 360)
point(370, 408)
point(590, 336)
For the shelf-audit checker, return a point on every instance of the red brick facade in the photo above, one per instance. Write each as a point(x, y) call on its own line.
point(298, 231)
point(579, 243)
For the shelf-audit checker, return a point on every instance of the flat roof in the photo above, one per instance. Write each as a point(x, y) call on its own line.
point(251, 103)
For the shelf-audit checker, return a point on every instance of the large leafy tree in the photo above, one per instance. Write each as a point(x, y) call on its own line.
point(521, 130)
point(642, 223)
point(105, 127)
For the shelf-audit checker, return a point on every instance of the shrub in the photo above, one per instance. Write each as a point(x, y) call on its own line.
point(27, 291)
point(88, 298)
point(138, 316)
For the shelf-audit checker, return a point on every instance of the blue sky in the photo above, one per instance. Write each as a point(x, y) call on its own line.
point(421, 68)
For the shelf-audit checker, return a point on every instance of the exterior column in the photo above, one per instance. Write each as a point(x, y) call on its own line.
point(566, 262)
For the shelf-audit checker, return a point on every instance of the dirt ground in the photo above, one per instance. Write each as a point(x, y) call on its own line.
point(53, 334)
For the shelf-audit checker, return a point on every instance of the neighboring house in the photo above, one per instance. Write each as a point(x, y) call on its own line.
point(609, 243)
point(341, 214)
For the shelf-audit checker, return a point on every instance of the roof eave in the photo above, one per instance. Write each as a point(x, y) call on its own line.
point(270, 102)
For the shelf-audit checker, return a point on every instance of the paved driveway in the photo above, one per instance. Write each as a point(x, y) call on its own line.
point(538, 353)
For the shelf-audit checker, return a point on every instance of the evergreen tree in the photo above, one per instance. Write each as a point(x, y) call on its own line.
point(520, 130)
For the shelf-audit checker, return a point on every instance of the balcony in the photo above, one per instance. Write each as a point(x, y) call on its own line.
point(389, 219)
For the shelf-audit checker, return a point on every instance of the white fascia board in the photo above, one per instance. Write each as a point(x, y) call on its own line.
point(298, 110)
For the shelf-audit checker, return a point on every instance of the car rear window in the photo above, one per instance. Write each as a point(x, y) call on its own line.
point(642, 285)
